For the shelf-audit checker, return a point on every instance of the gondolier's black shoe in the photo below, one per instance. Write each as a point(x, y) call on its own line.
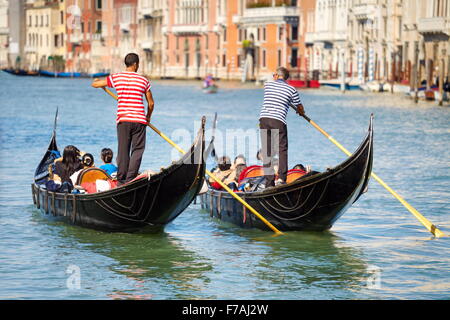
point(279, 182)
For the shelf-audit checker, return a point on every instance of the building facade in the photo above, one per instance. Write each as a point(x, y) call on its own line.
point(84, 28)
point(4, 34)
point(17, 34)
point(45, 31)
point(434, 27)
point(267, 37)
point(307, 9)
point(192, 39)
point(150, 36)
point(330, 48)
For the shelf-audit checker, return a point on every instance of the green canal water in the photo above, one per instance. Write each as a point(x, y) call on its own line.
point(377, 250)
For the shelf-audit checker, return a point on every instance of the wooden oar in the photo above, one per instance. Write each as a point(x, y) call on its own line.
point(252, 210)
point(430, 227)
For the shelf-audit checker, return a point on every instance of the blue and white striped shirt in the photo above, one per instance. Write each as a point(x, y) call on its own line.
point(278, 97)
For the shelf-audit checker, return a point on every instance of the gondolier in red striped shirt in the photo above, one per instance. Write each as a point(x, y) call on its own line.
point(131, 117)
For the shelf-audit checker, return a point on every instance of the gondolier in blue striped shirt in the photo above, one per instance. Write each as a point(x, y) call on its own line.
point(278, 97)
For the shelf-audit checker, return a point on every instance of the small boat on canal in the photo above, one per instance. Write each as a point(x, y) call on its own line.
point(21, 72)
point(145, 205)
point(211, 89)
point(312, 202)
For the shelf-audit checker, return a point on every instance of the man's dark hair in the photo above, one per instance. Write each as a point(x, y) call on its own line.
point(131, 59)
point(283, 72)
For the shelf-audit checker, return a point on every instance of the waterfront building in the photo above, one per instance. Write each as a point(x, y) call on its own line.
point(4, 33)
point(84, 27)
point(434, 27)
point(329, 38)
point(17, 34)
point(375, 47)
point(267, 37)
point(119, 33)
point(307, 9)
point(45, 28)
point(150, 36)
point(193, 37)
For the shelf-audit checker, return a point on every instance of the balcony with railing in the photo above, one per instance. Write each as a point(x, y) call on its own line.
point(434, 25)
point(149, 12)
point(189, 29)
point(364, 11)
point(270, 3)
point(258, 11)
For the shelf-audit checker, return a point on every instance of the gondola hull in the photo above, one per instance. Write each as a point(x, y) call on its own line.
point(312, 203)
point(144, 205)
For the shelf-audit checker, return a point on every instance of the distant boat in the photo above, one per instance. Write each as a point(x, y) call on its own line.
point(20, 72)
point(52, 74)
point(99, 74)
point(59, 74)
point(337, 85)
point(210, 89)
point(301, 84)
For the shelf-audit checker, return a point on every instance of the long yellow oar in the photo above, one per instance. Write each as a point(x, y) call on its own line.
point(209, 173)
point(430, 227)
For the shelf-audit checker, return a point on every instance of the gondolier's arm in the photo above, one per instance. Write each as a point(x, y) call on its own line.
point(99, 83)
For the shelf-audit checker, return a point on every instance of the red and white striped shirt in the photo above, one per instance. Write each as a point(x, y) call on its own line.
point(130, 88)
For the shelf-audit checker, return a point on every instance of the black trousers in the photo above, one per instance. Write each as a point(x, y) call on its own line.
point(131, 145)
point(274, 139)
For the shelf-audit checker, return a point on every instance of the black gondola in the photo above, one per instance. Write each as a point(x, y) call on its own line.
point(143, 205)
point(312, 203)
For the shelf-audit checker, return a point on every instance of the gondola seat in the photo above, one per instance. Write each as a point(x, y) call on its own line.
point(92, 175)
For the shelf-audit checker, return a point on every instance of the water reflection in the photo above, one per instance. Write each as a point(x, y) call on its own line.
point(157, 265)
point(305, 264)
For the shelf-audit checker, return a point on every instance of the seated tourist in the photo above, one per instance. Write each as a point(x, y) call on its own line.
point(107, 156)
point(222, 172)
point(64, 168)
point(299, 166)
point(87, 160)
point(233, 180)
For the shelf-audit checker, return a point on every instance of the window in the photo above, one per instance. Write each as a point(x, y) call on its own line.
point(56, 43)
point(263, 60)
point(294, 57)
point(98, 4)
point(29, 21)
point(61, 14)
point(279, 57)
point(149, 32)
point(224, 60)
point(98, 27)
point(264, 34)
point(294, 35)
